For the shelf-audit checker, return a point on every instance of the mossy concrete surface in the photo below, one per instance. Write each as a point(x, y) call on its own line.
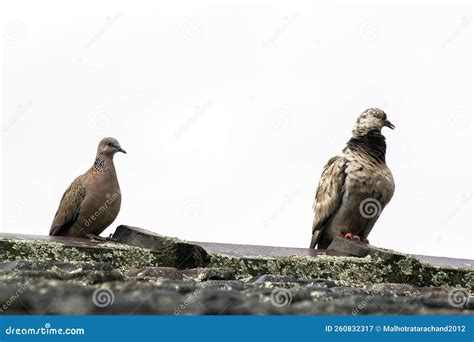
point(347, 271)
point(58, 276)
point(350, 271)
point(121, 257)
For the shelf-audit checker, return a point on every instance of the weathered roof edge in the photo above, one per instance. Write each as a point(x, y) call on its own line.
point(244, 250)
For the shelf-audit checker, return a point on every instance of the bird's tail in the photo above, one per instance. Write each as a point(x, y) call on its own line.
point(314, 237)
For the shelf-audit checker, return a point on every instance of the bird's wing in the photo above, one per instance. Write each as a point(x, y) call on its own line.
point(328, 195)
point(69, 207)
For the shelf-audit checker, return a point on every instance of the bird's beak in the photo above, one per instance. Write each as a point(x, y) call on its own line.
point(122, 150)
point(389, 124)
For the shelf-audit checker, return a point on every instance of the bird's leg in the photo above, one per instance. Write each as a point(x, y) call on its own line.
point(352, 237)
point(110, 238)
point(348, 236)
point(96, 238)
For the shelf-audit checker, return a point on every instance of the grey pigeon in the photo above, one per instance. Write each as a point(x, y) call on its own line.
point(92, 201)
point(355, 186)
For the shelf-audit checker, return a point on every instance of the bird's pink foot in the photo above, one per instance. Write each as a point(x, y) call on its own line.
point(351, 236)
point(365, 241)
point(348, 236)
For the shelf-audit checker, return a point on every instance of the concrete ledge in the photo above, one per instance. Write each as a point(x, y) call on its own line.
point(153, 274)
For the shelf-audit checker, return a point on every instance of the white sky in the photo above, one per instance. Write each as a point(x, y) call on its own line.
point(228, 112)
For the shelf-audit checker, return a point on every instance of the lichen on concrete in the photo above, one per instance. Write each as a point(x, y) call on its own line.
point(346, 271)
point(61, 278)
point(121, 257)
point(349, 271)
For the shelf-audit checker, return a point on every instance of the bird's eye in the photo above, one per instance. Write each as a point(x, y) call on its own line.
point(109, 144)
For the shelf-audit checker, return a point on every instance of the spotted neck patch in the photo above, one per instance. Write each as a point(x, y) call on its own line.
point(100, 164)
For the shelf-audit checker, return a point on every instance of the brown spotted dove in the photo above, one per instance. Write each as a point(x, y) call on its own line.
point(92, 201)
point(355, 186)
